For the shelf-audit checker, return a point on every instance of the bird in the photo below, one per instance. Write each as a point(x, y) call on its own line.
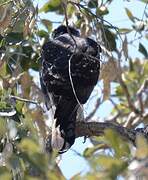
point(70, 67)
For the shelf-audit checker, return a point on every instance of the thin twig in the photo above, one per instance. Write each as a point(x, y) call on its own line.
point(125, 88)
point(142, 16)
point(95, 16)
point(94, 110)
point(7, 2)
point(140, 92)
point(24, 100)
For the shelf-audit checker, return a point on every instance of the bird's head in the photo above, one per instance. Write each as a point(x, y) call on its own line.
point(63, 30)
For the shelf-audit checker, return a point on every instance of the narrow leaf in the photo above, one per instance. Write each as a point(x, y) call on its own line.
point(143, 50)
point(124, 30)
point(109, 39)
point(47, 24)
point(130, 15)
point(52, 5)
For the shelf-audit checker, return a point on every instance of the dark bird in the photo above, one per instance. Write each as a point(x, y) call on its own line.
point(69, 71)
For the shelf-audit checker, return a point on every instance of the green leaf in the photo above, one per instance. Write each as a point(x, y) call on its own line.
point(113, 166)
point(6, 176)
point(5, 173)
point(93, 3)
point(109, 39)
point(102, 11)
point(145, 1)
point(70, 10)
point(27, 177)
point(108, 161)
point(47, 24)
point(130, 15)
point(119, 91)
point(3, 69)
point(3, 170)
point(90, 151)
point(14, 38)
point(28, 145)
point(3, 127)
point(54, 175)
point(52, 5)
point(14, 161)
point(120, 147)
point(4, 1)
point(124, 30)
point(2, 42)
point(37, 161)
point(43, 33)
point(143, 50)
point(142, 147)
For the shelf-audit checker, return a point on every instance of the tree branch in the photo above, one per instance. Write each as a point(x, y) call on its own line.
point(24, 100)
point(98, 128)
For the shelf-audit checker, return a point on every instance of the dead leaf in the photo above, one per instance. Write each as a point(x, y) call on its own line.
point(125, 47)
point(26, 82)
point(109, 73)
point(5, 17)
point(29, 22)
point(37, 116)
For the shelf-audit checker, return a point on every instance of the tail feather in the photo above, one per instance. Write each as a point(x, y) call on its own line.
point(63, 130)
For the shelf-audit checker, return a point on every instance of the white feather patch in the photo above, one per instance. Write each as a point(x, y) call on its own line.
point(57, 141)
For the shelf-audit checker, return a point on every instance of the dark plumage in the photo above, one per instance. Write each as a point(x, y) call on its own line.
point(62, 81)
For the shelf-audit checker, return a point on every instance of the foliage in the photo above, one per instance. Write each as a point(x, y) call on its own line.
point(23, 129)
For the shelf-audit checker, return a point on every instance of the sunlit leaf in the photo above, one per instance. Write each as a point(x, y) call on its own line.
point(3, 69)
point(124, 30)
point(90, 151)
point(70, 10)
point(51, 5)
point(6, 176)
point(142, 147)
point(112, 165)
point(119, 91)
point(28, 145)
point(102, 11)
point(130, 15)
point(119, 146)
point(55, 175)
point(27, 177)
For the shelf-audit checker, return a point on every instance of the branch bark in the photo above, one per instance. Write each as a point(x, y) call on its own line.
point(98, 128)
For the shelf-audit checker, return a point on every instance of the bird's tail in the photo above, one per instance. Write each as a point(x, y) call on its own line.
point(63, 130)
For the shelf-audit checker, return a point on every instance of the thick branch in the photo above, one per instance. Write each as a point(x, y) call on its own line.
point(98, 128)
